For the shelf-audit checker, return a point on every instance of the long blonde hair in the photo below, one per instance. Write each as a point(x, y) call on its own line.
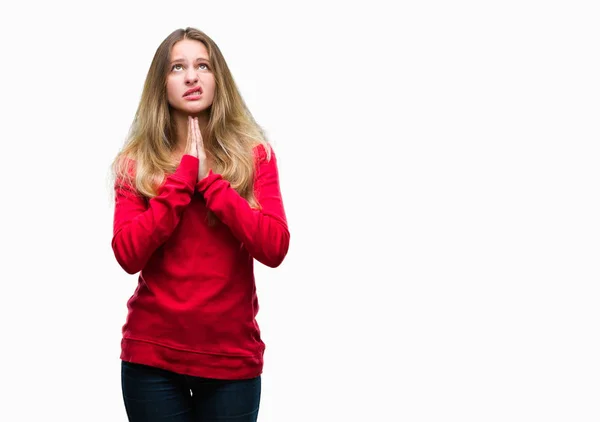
point(231, 133)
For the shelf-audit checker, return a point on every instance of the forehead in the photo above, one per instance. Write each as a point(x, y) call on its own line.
point(188, 49)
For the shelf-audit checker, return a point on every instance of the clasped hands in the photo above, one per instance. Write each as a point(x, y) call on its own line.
point(195, 146)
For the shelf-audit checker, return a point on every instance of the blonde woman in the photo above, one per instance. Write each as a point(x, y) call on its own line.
point(197, 199)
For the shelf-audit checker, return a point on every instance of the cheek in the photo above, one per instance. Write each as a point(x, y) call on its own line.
point(211, 87)
point(171, 89)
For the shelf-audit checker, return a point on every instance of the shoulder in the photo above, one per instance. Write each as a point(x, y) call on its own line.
point(125, 165)
point(263, 152)
point(125, 170)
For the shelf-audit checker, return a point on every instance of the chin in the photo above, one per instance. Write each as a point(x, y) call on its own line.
point(193, 108)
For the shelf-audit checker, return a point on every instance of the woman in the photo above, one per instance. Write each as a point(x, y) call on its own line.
point(197, 198)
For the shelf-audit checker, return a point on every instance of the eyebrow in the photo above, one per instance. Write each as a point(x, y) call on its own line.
point(183, 60)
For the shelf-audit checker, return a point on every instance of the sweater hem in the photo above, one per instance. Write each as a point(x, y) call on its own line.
point(197, 364)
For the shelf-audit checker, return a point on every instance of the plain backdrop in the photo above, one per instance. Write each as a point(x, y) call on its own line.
point(439, 168)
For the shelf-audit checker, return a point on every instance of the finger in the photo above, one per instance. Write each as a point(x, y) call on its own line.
point(197, 137)
point(188, 139)
point(199, 133)
point(191, 137)
point(195, 129)
point(198, 127)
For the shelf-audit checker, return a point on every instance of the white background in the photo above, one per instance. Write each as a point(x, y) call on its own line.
point(439, 167)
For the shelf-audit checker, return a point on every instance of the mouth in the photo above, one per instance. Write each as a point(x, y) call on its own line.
point(193, 91)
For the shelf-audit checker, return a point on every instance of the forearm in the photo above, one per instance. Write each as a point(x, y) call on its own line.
point(139, 229)
point(263, 232)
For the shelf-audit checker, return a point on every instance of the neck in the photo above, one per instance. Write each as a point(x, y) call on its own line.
point(181, 124)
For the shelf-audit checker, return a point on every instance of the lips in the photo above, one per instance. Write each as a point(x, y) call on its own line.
point(197, 90)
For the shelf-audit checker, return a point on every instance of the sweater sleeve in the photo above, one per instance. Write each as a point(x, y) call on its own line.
point(264, 232)
point(141, 226)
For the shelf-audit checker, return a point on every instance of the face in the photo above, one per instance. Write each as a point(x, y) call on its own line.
point(190, 81)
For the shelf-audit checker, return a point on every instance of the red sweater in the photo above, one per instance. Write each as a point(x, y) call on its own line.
point(194, 308)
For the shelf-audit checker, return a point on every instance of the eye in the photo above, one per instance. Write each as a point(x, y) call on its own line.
point(203, 64)
point(177, 67)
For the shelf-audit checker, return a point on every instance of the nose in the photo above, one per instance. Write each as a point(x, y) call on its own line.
point(191, 77)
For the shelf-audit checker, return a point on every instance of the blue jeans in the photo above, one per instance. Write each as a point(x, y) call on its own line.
point(153, 394)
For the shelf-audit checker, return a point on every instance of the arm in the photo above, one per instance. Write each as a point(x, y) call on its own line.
point(263, 232)
point(140, 228)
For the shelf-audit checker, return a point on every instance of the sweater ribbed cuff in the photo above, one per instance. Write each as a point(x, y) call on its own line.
point(187, 170)
point(210, 178)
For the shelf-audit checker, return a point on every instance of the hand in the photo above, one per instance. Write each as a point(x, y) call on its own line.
point(191, 146)
point(195, 138)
